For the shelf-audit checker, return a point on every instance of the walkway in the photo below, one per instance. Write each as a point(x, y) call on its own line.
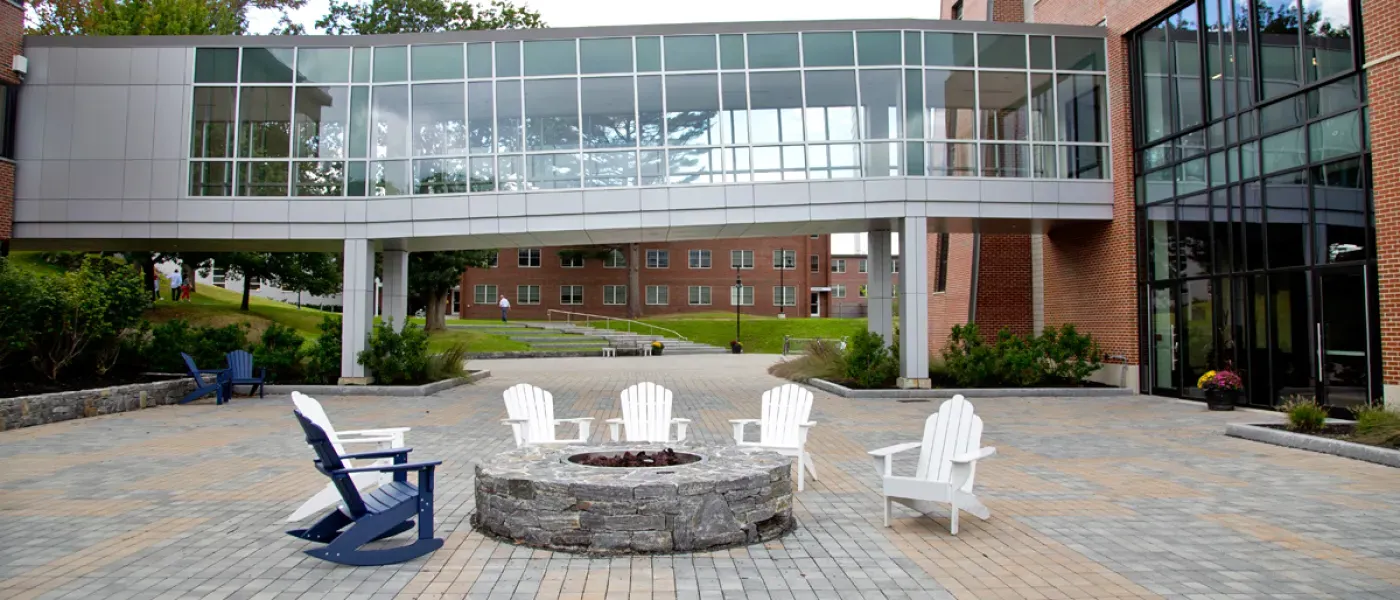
point(1091, 498)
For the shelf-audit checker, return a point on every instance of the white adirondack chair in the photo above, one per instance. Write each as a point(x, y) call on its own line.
point(531, 412)
point(391, 437)
point(783, 427)
point(947, 462)
point(646, 416)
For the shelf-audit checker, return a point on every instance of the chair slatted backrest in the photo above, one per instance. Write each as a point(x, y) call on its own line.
point(784, 408)
point(311, 409)
point(190, 366)
point(646, 412)
point(525, 401)
point(951, 431)
point(240, 364)
point(328, 461)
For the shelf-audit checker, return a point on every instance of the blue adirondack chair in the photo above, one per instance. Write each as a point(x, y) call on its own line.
point(202, 388)
point(240, 368)
point(384, 512)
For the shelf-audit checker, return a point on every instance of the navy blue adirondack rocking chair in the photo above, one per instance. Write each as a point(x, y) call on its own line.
point(240, 368)
point(388, 510)
point(201, 387)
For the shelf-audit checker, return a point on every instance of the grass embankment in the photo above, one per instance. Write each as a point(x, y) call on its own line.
point(762, 335)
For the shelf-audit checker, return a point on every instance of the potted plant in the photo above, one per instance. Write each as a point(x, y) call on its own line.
point(736, 347)
point(1222, 389)
point(657, 347)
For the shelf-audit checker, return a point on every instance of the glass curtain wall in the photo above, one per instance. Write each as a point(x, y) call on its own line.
point(454, 118)
point(1254, 200)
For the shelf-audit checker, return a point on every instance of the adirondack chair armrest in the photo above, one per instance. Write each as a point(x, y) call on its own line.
point(515, 421)
point(681, 426)
point(374, 432)
point(802, 430)
point(417, 466)
point(389, 453)
point(884, 457)
point(974, 456)
point(614, 428)
point(574, 420)
point(583, 423)
point(349, 441)
point(739, 425)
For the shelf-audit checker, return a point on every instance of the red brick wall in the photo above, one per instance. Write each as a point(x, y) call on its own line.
point(11, 40)
point(948, 308)
point(678, 277)
point(1006, 11)
point(1004, 284)
point(1381, 22)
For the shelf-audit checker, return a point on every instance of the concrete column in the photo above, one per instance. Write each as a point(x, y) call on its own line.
point(879, 296)
point(358, 318)
point(1037, 283)
point(396, 287)
point(913, 303)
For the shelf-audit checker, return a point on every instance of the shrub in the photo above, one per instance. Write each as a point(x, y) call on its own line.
point(1305, 415)
point(1378, 426)
point(450, 363)
point(1062, 356)
point(396, 357)
point(823, 360)
point(208, 346)
point(78, 313)
point(323, 358)
point(19, 303)
point(968, 359)
point(280, 352)
point(1067, 355)
point(1016, 361)
point(868, 363)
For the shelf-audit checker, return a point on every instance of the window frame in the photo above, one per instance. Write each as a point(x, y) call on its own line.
point(611, 290)
point(616, 259)
point(838, 265)
point(662, 256)
point(940, 276)
point(525, 302)
point(700, 258)
point(568, 262)
point(524, 256)
point(780, 262)
point(815, 263)
point(738, 292)
point(706, 291)
point(662, 295)
point(9, 117)
point(480, 287)
point(571, 288)
point(737, 260)
point(863, 266)
point(786, 301)
point(838, 290)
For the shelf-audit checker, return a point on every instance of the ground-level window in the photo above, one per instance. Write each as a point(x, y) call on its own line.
point(741, 259)
point(741, 296)
point(699, 295)
point(658, 259)
point(838, 291)
point(527, 294)
point(570, 294)
point(785, 295)
point(658, 295)
point(940, 276)
point(614, 295)
point(484, 294)
point(699, 259)
point(784, 260)
point(529, 257)
point(615, 260)
point(838, 265)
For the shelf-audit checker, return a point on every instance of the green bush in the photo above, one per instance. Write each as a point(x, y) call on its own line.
point(208, 346)
point(823, 360)
point(1305, 415)
point(280, 352)
point(1378, 426)
point(323, 357)
point(1067, 355)
point(80, 316)
point(19, 303)
point(396, 357)
point(969, 361)
point(1062, 356)
point(868, 363)
point(451, 363)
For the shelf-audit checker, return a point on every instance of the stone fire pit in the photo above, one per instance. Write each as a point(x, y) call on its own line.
point(538, 497)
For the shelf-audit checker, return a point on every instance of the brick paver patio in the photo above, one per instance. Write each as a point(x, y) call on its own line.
point(1133, 497)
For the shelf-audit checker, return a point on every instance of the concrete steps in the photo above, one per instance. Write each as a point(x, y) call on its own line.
point(574, 337)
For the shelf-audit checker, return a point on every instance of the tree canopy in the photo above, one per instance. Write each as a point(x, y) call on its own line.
point(146, 17)
point(432, 275)
point(418, 16)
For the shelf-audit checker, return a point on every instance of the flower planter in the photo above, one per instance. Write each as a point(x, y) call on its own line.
point(1222, 399)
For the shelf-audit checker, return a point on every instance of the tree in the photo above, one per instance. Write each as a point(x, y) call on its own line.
point(146, 17)
point(432, 275)
point(419, 16)
point(313, 272)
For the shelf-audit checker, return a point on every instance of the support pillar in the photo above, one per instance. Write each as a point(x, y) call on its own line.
point(396, 288)
point(357, 294)
point(913, 303)
point(878, 292)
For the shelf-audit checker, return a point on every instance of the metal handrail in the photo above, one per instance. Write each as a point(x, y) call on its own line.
point(588, 318)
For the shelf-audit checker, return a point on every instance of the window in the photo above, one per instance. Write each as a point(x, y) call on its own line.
point(254, 283)
point(864, 265)
point(957, 10)
point(527, 294)
point(862, 291)
point(838, 291)
point(658, 259)
point(816, 263)
point(8, 95)
point(785, 295)
point(217, 274)
point(785, 260)
point(940, 276)
point(894, 265)
point(615, 260)
point(700, 295)
point(571, 261)
point(570, 294)
point(699, 259)
point(457, 300)
point(529, 257)
point(838, 265)
point(658, 295)
point(741, 296)
point(741, 259)
point(484, 294)
point(614, 295)
point(495, 259)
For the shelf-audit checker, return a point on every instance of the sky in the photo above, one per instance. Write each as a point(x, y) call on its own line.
point(585, 13)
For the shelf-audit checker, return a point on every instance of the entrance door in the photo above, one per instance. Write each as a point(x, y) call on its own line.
point(1196, 335)
point(1166, 378)
point(1344, 334)
point(816, 304)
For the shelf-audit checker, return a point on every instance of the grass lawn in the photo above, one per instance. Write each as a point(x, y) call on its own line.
point(476, 342)
point(217, 307)
point(759, 334)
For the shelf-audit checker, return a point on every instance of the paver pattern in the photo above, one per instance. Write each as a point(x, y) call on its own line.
point(1132, 497)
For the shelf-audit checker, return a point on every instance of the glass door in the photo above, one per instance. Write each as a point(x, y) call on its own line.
point(1196, 335)
point(1344, 334)
point(816, 304)
point(1166, 378)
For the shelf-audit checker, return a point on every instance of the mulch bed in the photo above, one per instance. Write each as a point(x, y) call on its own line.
point(10, 388)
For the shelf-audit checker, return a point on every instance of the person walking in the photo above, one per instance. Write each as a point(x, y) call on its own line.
point(177, 280)
point(155, 284)
point(505, 308)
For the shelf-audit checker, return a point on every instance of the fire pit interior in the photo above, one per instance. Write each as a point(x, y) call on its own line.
point(703, 498)
point(634, 460)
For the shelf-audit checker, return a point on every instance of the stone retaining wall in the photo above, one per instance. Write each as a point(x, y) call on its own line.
point(28, 411)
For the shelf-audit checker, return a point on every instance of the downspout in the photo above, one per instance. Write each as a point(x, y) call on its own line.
point(976, 269)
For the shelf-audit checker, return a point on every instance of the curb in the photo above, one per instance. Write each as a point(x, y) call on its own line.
point(381, 390)
point(943, 393)
point(1302, 441)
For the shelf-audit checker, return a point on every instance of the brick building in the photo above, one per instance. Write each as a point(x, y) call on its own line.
point(781, 275)
point(11, 42)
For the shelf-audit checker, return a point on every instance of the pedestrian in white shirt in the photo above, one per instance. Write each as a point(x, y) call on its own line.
point(505, 308)
point(177, 279)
